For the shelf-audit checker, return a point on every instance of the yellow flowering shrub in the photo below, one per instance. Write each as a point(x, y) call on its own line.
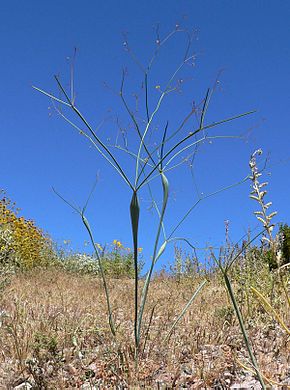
point(21, 242)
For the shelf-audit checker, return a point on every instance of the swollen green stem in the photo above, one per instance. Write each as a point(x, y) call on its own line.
point(135, 212)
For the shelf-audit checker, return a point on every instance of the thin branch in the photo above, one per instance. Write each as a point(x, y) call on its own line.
point(133, 118)
point(191, 135)
point(167, 90)
point(87, 226)
point(93, 133)
point(203, 198)
point(82, 132)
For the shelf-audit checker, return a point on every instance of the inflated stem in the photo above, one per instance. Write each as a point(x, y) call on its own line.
point(134, 213)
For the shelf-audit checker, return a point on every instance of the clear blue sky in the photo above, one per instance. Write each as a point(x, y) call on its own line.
point(248, 40)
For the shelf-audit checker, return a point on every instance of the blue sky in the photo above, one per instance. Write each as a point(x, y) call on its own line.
point(244, 43)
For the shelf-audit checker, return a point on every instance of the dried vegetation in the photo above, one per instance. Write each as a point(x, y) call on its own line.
point(55, 335)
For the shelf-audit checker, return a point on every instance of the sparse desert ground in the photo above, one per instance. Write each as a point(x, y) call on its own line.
point(54, 334)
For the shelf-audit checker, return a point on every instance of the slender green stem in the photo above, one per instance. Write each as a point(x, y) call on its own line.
point(148, 329)
point(157, 209)
point(243, 329)
point(205, 107)
point(184, 310)
point(146, 96)
point(88, 228)
point(203, 198)
point(155, 254)
point(111, 320)
point(51, 96)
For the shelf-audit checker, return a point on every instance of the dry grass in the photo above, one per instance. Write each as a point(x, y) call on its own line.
point(54, 332)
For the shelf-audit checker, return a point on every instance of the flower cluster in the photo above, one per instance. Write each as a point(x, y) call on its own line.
point(118, 245)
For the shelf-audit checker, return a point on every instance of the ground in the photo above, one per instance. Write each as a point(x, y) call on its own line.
point(54, 334)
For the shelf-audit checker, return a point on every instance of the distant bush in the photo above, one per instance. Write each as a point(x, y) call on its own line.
point(22, 243)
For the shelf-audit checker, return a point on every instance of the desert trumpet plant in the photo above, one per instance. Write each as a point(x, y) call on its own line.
point(149, 162)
